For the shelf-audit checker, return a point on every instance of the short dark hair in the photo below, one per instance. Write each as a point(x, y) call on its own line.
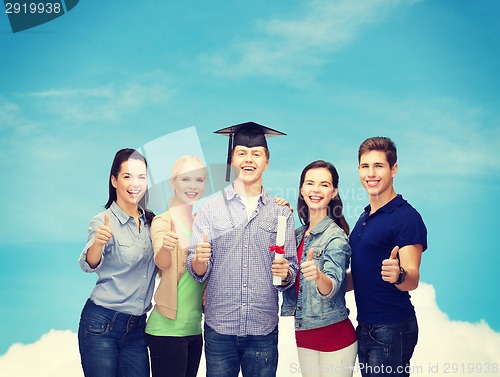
point(380, 143)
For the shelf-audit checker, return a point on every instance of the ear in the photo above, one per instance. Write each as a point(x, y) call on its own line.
point(394, 170)
point(113, 181)
point(335, 192)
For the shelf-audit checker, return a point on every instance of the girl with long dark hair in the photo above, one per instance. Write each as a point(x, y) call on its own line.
point(325, 337)
point(111, 334)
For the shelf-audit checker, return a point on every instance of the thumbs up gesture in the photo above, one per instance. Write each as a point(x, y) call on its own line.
point(308, 268)
point(103, 232)
point(390, 267)
point(170, 240)
point(203, 249)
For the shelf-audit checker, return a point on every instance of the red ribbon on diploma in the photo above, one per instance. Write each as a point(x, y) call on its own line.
point(277, 249)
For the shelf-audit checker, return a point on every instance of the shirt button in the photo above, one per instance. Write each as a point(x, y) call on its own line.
point(364, 223)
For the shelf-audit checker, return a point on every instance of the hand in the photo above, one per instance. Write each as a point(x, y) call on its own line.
point(170, 241)
point(280, 268)
point(390, 267)
point(308, 268)
point(283, 202)
point(203, 249)
point(103, 232)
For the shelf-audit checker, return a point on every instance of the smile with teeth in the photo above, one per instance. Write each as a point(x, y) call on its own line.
point(134, 192)
point(248, 168)
point(372, 183)
point(315, 198)
point(191, 195)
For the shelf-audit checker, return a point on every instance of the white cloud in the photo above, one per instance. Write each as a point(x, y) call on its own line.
point(445, 347)
point(105, 103)
point(285, 48)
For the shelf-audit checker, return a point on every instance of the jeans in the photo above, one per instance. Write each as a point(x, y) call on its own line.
point(112, 343)
point(256, 355)
point(175, 356)
point(386, 350)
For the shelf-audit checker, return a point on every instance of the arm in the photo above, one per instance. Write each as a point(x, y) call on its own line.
point(164, 241)
point(102, 235)
point(349, 285)
point(203, 253)
point(328, 279)
point(311, 272)
point(199, 250)
point(410, 257)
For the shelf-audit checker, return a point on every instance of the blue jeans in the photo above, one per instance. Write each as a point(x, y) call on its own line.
point(386, 350)
point(175, 356)
point(112, 343)
point(256, 355)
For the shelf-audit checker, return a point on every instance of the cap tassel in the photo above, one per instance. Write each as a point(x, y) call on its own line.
point(229, 152)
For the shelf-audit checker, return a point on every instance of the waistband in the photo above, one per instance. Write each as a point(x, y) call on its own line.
point(114, 315)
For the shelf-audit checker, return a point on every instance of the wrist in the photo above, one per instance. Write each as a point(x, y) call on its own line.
point(401, 276)
point(288, 278)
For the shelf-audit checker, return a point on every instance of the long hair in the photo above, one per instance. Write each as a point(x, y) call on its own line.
point(120, 157)
point(335, 207)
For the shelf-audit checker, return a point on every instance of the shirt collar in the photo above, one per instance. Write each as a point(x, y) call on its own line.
point(229, 193)
point(389, 207)
point(322, 225)
point(122, 216)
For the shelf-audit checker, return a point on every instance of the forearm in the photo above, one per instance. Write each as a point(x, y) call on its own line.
point(200, 268)
point(94, 254)
point(411, 281)
point(324, 284)
point(163, 258)
point(349, 286)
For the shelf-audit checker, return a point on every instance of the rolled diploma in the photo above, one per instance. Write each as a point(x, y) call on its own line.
point(280, 241)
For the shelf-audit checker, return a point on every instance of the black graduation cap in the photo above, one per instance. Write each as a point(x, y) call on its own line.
point(249, 134)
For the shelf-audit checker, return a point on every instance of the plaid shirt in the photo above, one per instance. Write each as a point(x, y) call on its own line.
point(241, 298)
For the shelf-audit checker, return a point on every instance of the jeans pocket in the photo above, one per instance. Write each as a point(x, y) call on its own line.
point(381, 335)
point(96, 326)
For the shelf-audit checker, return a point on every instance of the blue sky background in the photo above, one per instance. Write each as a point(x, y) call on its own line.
point(328, 73)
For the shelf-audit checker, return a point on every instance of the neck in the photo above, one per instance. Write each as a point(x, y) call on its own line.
point(130, 209)
point(315, 216)
point(378, 201)
point(248, 189)
point(180, 210)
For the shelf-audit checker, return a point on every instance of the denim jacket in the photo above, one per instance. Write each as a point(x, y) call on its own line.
point(331, 255)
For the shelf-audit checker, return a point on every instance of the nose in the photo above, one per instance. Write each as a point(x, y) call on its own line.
point(135, 181)
point(371, 171)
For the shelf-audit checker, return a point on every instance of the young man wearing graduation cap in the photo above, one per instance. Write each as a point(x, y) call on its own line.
point(229, 250)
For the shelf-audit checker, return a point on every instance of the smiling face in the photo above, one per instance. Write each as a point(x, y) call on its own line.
point(130, 184)
point(376, 175)
point(249, 164)
point(189, 183)
point(317, 189)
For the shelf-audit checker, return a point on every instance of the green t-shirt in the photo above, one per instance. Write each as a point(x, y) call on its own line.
point(188, 318)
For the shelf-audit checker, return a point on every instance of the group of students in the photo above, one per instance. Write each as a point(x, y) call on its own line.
point(218, 265)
